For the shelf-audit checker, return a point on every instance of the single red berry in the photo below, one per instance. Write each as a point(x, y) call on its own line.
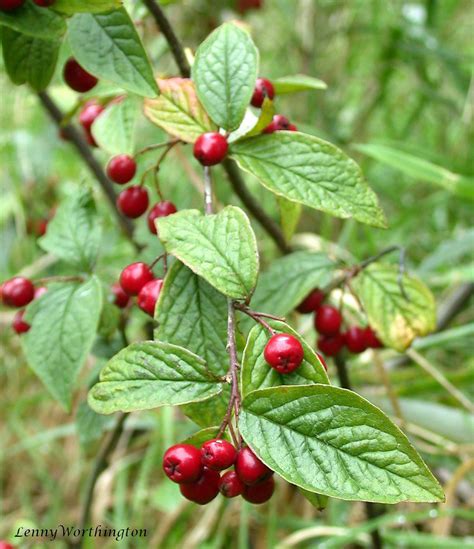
point(121, 168)
point(230, 485)
point(18, 324)
point(133, 202)
point(311, 302)
point(204, 490)
point(78, 78)
point(355, 339)
point(261, 492)
point(41, 227)
point(134, 277)
point(9, 5)
point(18, 292)
point(41, 290)
point(245, 5)
point(44, 3)
point(371, 339)
point(263, 88)
point(90, 138)
point(323, 362)
point(210, 148)
point(218, 454)
point(148, 296)
point(5, 545)
point(182, 463)
point(249, 468)
point(284, 353)
point(121, 299)
point(331, 345)
point(327, 320)
point(160, 209)
point(292, 128)
point(278, 123)
point(89, 112)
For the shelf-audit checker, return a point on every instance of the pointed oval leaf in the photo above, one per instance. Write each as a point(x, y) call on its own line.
point(297, 83)
point(70, 7)
point(35, 21)
point(334, 442)
point(290, 215)
point(317, 500)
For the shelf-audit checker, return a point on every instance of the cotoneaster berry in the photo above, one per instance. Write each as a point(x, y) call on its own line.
point(210, 148)
point(18, 292)
point(328, 320)
point(44, 3)
point(134, 277)
point(292, 128)
point(78, 78)
point(182, 463)
point(6, 545)
point(9, 5)
point(323, 362)
point(311, 302)
point(218, 454)
point(284, 353)
point(121, 168)
point(160, 209)
point(89, 112)
point(133, 202)
point(204, 490)
point(279, 122)
point(19, 325)
point(121, 298)
point(371, 339)
point(261, 492)
point(230, 485)
point(355, 339)
point(245, 5)
point(249, 468)
point(148, 296)
point(331, 345)
point(263, 88)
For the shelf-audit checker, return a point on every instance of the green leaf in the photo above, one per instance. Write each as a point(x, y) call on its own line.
point(297, 83)
point(63, 327)
point(225, 71)
point(178, 111)
point(221, 248)
point(114, 129)
point(149, 374)
point(207, 412)
point(29, 60)
point(319, 501)
point(108, 46)
point(192, 314)
point(70, 7)
point(257, 374)
point(254, 122)
point(396, 319)
point(332, 441)
point(290, 214)
point(74, 234)
point(32, 20)
point(306, 169)
point(202, 436)
point(89, 424)
point(290, 279)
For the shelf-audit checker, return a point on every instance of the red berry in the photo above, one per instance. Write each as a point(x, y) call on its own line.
point(44, 3)
point(210, 148)
point(218, 454)
point(121, 299)
point(259, 493)
point(90, 111)
point(331, 345)
point(133, 202)
point(4, 544)
point(328, 320)
point(41, 290)
point(263, 88)
point(311, 302)
point(41, 227)
point(230, 485)
point(355, 339)
point(182, 463)
point(18, 292)
point(292, 128)
point(278, 123)
point(90, 138)
point(371, 339)
point(204, 490)
point(249, 468)
point(160, 209)
point(148, 296)
point(284, 353)
point(323, 362)
point(121, 168)
point(8, 5)
point(18, 324)
point(134, 277)
point(78, 78)
point(245, 5)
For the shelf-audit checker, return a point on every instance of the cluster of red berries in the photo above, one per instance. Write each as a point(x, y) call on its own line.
point(18, 292)
point(137, 279)
point(9, 5)
point(197, 471)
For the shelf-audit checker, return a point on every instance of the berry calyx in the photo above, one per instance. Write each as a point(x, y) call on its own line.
point(218, 454)
point(371, 339)
point(230, 485)
point(134, 277)
point(18, 324)
point(328, 320)
point(261, 492)
point(204, 490)
point(121, 168)
point(323, 362)
point(44, 3)
point(249, 468)
point(182, 463)
point(355, 339)
point(210, 148)
point(9, 5)
point(279, 122)
point(18, 292)
point(160, 209)
point(78, 78)
point(121, 298)
point(263, 88)
point(148, 296)
point(284, 353)
point(133, 202)
point(311, 302)
point(331, 345)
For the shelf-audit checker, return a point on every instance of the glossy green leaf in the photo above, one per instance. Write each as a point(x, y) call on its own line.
point(290, 214)
point(225, 71)
point(70, 7)
point(319, 501)
point(257, 374)
point(108, 46)
point(34, 21)
point(178, 111)
point(207, 412)
point(202, 436)
point(306, 169)
point(149, 374)
point(297, 83)
point(396, 319)
point(220, 248)
point(63, 327)
point(254, 122)
point(332, 441)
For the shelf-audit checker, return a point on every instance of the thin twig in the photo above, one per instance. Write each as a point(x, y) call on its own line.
point(257, 316)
